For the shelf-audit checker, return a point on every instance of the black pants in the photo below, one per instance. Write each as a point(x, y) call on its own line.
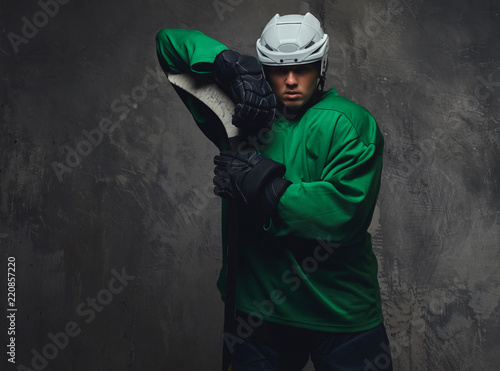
point(274, 347)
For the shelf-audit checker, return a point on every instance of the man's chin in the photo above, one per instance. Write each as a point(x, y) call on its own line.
point(293, 105)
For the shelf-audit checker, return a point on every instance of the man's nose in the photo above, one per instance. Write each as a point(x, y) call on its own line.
point(290, 78)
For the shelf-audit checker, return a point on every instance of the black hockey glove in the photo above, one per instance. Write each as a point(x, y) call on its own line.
point(254, 98)
point(248, 176)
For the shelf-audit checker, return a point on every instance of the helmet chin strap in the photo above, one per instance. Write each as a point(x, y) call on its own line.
point(321, 83)
point(322, 78)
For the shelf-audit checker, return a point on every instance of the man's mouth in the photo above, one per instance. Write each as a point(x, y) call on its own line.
point(292, 94)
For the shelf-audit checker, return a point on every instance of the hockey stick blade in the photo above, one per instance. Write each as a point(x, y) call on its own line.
point(208, 92)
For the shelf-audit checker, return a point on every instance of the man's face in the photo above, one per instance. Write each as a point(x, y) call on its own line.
point(294, 85)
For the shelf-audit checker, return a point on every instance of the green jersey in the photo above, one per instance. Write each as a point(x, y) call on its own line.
point(312, 265)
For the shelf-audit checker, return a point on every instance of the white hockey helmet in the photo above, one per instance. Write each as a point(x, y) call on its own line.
point(293, 39)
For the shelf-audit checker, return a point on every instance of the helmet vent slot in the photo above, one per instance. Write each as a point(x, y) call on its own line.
point(310, 44)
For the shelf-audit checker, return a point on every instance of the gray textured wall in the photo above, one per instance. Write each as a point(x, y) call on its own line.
point(106, 201)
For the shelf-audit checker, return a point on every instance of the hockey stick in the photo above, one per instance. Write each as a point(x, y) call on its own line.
point(205, 90)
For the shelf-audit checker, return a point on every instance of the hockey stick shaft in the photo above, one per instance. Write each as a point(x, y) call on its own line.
point(207, 92)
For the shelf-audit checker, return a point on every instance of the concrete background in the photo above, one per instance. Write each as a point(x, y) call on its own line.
point(106, 200)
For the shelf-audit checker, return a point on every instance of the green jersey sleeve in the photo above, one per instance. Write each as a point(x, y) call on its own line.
point(182, 50)
point(340, 206)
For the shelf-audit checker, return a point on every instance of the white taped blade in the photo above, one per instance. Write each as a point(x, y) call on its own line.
point(206, 90)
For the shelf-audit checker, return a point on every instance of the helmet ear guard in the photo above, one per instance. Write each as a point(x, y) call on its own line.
point(294, 39)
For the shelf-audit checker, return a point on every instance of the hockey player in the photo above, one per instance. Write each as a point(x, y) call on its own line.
point(307, 276)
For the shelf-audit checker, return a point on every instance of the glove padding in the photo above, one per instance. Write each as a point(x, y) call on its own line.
point(254, 98)
point(248, 176)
